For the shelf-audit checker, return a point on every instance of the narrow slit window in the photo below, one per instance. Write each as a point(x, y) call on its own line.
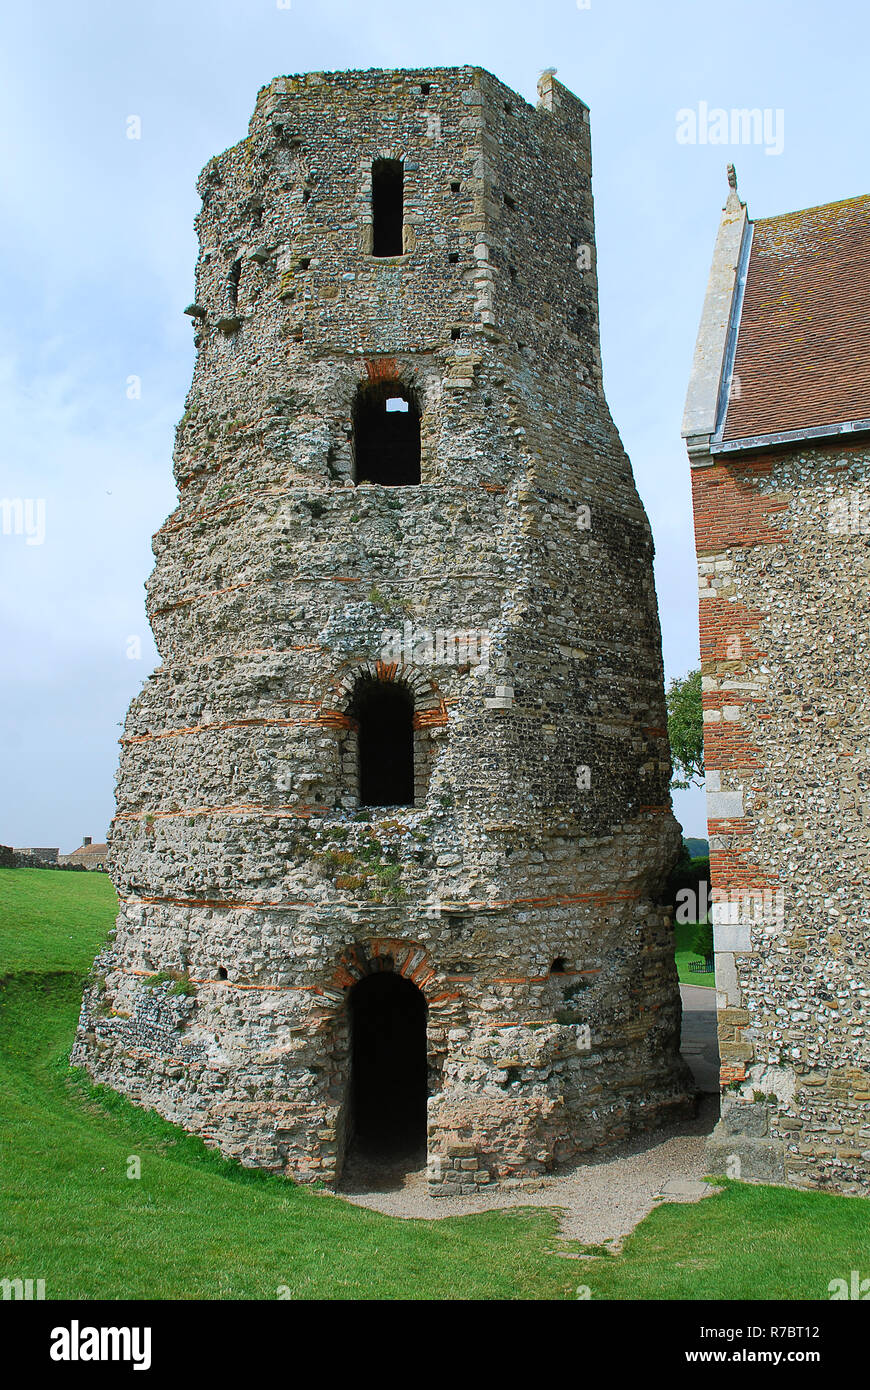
point(388, 198)
point(233, 279)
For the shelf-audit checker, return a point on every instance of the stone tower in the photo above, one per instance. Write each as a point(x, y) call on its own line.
point(393, 815)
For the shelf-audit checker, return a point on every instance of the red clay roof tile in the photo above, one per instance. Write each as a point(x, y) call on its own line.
point(803, 346)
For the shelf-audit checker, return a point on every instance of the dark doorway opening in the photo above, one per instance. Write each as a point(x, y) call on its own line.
point(386, 436)
point(384, 711)
point(388, 1066)
point(388, 198)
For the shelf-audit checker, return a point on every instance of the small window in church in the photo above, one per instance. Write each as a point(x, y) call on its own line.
point(388, 197)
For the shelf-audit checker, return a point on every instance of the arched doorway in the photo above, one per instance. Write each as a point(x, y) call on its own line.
point(388, 1065)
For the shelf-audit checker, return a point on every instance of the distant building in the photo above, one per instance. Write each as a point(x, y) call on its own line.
point(45, 856)
point(88, 855)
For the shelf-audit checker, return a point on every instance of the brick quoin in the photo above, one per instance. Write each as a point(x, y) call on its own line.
point(730, 510)
point(732, 867)
point(726, 747)
point(721, 622)
point(728, 1074)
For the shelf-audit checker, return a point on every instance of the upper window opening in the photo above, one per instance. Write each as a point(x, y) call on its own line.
point(386, 436)
point(509, 202)
point(559, 966)
point(233, 283)
point(384, 711)
point(425, 88)
point(388, 197)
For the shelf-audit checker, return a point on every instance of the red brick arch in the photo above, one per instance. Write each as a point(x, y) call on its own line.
point(395, 954)
point(430, 708)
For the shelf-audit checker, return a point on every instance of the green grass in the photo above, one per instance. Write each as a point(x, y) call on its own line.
point(750, 1242)
point(49, 917)
point(683, 934)
point(195, 1226)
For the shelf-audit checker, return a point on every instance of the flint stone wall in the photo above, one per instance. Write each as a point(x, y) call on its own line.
point(542, 829)
point(783, 543)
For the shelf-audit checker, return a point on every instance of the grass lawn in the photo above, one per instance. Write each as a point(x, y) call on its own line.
point(683, 934)
point(196, 1227)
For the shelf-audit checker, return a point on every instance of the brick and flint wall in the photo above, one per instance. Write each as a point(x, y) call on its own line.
point(783, 543)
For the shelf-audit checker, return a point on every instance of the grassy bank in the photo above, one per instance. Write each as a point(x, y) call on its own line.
point(193, 1226)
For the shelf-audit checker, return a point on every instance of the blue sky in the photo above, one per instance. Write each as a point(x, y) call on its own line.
point(98, 250)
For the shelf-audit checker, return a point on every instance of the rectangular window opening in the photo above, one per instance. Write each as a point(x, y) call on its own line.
point(388, 197)
point(233, 283)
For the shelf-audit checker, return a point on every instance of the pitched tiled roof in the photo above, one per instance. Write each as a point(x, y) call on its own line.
point(89, 852)
point(803, 345)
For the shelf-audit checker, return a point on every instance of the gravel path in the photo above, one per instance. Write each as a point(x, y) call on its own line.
point(598, 1201)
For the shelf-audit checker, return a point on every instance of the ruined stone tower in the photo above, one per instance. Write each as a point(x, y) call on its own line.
point(393, 815)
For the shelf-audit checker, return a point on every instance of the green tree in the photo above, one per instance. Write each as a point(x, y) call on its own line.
point(686, 730)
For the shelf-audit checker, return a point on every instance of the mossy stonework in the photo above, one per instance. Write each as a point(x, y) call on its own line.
point(503, 596)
